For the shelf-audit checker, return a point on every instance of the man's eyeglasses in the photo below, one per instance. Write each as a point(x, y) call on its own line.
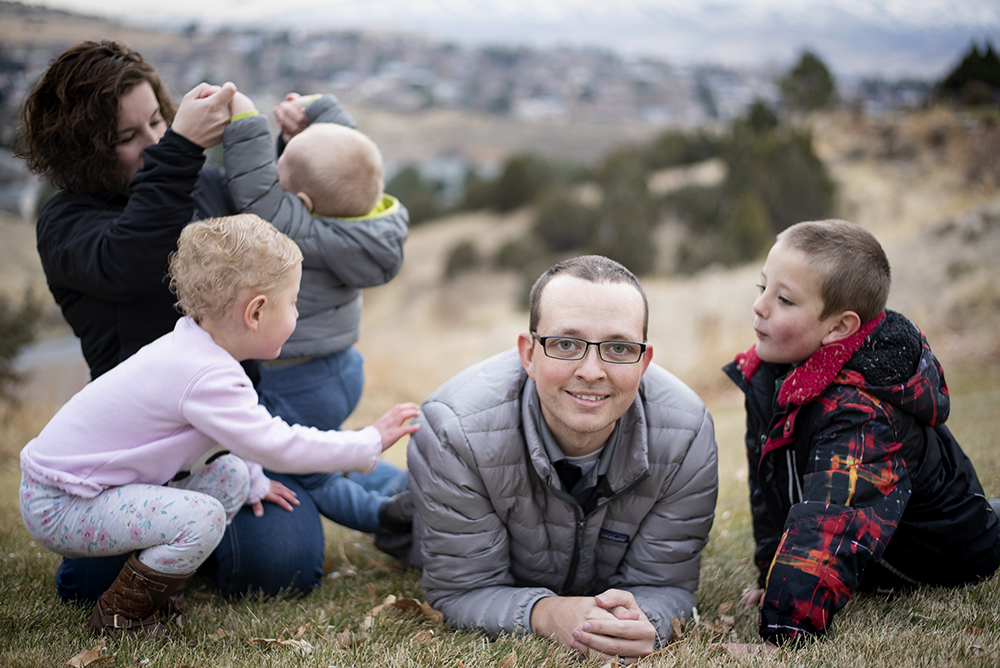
point(612, 352)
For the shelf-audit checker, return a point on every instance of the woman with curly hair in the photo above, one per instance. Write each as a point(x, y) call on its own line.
point(130, 168)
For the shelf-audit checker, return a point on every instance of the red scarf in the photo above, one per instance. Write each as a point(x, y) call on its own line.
point(808, 380)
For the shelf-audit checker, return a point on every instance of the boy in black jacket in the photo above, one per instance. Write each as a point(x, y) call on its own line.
point(854, 479)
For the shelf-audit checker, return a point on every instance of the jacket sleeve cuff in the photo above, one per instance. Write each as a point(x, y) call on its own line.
point(172, 138)
point(260, 485)
point(524, 627)
point(780, 628)
point(244, 114)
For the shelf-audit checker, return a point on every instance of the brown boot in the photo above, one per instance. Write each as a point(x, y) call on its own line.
point(132, 604)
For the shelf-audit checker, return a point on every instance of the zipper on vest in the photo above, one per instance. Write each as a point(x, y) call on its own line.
point(574, 563)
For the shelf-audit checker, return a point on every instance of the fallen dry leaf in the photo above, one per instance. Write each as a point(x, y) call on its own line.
point(725, 607)
point(369, 619)
point(509, 661)
point(421, 638)
point(422, 607)
point(676, 625)
point(379, 566)
point(347, 569)
point(301, 646)
point(714, 628)
point(975, 629)
point(217, 635)
point(88, 657)
point(728, 622)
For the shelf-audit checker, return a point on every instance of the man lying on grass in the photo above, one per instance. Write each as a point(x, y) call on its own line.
point(567, 487)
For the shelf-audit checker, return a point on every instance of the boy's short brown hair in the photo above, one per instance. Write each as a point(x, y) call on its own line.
point(856, 271)
point(339, 168)
point(221, 259)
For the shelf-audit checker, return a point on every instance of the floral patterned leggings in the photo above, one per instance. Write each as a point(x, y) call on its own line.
point(176, 526)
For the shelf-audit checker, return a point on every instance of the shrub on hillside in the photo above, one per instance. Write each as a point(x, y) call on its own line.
point(518, 252)
point(563, 223)
point(783, 170)
point(419, 196)
point(808, 85)
point(524, 177)
point(624, 230)
point(748, 233)
point(674, 148)
point(18, 325)
point(462, 257)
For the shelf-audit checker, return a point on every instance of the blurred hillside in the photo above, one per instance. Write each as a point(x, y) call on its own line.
point(923, 183)
point(926, 182)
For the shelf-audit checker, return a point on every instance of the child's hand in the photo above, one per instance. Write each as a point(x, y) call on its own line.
point(391, 424)
point(279, 495)
point(291, 115)
point(750, 598)
point(240, 104)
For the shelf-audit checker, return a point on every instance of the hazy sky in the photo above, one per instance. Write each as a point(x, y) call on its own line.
point(891, 36)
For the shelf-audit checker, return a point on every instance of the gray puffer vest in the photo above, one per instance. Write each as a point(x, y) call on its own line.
point(497, 531)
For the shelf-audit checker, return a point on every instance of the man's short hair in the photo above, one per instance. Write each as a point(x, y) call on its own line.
point(339, 168)
point(593, 268)
point(221, 259)
point(856, 274)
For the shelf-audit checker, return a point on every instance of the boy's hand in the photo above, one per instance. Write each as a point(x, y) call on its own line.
point(279, 495)
point(204, 113)
point(291, 115)
point(750, 598)
point(240, 104)
point(391, 424)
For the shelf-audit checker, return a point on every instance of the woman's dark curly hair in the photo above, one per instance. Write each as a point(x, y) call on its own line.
point(69, 121)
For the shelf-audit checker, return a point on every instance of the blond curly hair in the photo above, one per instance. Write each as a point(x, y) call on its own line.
point(221, 259)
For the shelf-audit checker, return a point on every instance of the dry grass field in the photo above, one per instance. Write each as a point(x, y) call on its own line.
point(921, 183)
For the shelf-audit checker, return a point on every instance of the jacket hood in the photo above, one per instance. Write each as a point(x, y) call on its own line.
point(896, 365)
point(888, 357)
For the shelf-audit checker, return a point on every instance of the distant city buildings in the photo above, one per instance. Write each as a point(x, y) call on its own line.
point(406, 74)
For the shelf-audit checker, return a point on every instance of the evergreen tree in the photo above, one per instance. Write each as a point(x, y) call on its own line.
point(974, 80)
point(809, 85)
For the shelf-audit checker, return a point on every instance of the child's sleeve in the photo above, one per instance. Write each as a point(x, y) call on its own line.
point(852, 498)
point(327, 109)
point(250, 168)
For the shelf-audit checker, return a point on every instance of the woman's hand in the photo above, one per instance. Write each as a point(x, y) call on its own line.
point(204, 113)
point(279, 495)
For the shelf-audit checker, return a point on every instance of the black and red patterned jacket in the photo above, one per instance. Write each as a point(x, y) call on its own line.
point(854, 477)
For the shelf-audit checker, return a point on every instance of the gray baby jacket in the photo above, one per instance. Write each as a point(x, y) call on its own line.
point(340, 255)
